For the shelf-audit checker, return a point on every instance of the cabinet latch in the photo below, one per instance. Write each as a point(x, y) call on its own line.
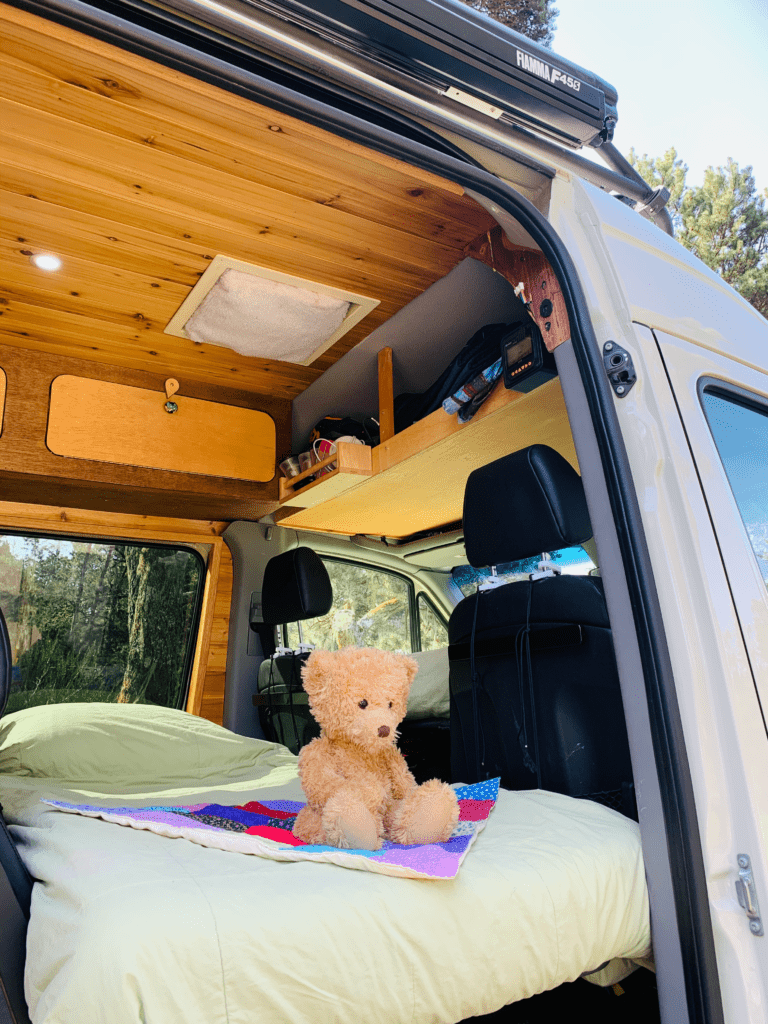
point(747, 894)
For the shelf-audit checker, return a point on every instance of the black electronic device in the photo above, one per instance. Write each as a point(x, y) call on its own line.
point(526, 360)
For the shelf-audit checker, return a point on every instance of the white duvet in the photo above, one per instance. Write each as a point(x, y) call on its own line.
point(128, 926)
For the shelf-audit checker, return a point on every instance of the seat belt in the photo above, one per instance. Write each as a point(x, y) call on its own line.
point(15, 896)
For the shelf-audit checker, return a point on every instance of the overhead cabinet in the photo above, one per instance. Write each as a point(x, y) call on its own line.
point(107, 422)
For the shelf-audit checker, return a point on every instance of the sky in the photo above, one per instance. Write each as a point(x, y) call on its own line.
point(692, 74)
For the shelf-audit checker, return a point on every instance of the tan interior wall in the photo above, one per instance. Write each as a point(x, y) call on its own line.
point(206, 690)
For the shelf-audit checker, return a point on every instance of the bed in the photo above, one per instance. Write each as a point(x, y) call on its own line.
point(130, 926)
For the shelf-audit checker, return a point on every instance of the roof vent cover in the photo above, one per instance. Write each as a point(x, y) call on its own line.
point(267, 314)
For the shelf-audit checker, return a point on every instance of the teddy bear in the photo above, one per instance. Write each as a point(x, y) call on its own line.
point(358, 787)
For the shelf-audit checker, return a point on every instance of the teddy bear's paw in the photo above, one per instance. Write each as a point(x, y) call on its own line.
point(309, 826)
point(427, 815)
point(351, 826)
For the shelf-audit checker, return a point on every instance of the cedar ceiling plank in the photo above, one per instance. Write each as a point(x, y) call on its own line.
point(181, 259)
point(89, 289)
point(65, 46)
point(333, 182)
point(97, 340)
point(172, 188)
point(146, 226)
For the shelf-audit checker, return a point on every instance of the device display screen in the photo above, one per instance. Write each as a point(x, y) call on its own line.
point(518, 350)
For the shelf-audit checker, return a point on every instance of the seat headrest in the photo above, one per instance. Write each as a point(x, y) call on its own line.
point(296, 587)
point(522, 504)
point(5, 664)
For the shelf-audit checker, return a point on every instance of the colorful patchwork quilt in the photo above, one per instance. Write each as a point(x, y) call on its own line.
point(264, 828)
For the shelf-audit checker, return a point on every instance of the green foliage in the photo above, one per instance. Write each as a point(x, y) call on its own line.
point(724, 221)
point(532, 18)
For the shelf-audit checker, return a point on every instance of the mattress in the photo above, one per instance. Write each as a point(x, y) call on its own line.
point(130, 926)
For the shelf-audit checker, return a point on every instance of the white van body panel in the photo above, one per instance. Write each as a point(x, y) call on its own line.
point(715, 614)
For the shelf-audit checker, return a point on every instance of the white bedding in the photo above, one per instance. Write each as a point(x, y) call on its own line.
point(128, 926)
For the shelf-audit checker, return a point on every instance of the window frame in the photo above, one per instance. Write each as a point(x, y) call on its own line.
point(88, 538)
point(746, 399)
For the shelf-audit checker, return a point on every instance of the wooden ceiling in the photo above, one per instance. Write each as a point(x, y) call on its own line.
point(137, 176)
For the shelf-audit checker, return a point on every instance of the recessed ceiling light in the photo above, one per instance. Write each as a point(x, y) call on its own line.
point(44, 261)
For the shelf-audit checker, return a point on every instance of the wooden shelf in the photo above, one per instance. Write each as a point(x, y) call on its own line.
point(417, 477)
point(350, 462)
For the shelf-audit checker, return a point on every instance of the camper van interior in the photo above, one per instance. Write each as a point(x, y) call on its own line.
point(227, 333)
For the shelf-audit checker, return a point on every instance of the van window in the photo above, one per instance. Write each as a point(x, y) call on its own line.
point(99, 620)
point(740, 431)
point(573, 561)
point(433, 631)
point(371, 608)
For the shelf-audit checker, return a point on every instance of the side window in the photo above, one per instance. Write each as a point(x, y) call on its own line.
point(99, 621)
point(571, 561)
point(433, 631)
point(371, 608)
point(740, 431)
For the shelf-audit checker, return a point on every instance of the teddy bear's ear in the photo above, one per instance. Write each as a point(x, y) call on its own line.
point(411, 668)
point(314, 672)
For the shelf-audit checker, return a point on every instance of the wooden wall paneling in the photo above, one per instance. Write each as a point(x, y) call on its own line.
point(31, 472)
point(202, 647)
point(138, 175)
point(212, 704)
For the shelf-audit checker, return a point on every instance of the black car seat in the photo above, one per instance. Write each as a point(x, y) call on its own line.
point(296, 587)
point(15, 887)
point(534, 689)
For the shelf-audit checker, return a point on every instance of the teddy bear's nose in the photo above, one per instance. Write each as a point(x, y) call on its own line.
point(383, 730)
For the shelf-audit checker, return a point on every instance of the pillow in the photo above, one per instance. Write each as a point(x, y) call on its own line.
point(126, 742)
point(429, 696)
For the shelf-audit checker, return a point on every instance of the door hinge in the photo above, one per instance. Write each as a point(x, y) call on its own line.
point(619, 368)
point(747, 894)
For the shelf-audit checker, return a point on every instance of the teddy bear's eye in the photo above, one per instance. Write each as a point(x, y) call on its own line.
point(390, 703)
point(364, 704)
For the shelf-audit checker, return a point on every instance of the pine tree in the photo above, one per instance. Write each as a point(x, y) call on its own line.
point(724, 221)
point(532, 18)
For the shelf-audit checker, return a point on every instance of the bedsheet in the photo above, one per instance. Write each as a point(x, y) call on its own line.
point(128, 926)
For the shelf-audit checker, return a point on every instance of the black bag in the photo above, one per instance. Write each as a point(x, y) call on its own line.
point(480, 352)
point(282, 702)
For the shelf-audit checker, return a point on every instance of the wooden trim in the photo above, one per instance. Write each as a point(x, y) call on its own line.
point(110, 525)
point(200, 664)
point(530, 267)
point(386, 396)
point(212, 706)
point(2, 397)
